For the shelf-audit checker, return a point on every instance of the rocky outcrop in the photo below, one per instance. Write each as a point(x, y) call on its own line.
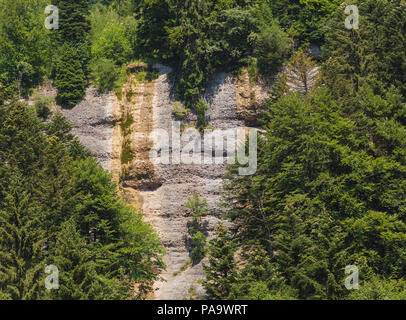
point(132, 167)
point(136, 67)
point(118, 132)
point(164, 207)
point(93, 122)
point(249, 98)
point(140, 173)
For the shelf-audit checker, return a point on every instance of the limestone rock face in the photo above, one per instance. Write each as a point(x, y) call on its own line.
point(164, 207)
point(249, 98)
point(93, 122)
point(136, 67)
point(142, 176)
point(160, 191)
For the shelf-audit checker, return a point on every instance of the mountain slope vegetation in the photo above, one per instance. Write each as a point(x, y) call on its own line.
point(330, 189)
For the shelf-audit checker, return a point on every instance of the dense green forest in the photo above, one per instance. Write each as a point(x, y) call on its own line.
point(58, 207)
point(330, 189)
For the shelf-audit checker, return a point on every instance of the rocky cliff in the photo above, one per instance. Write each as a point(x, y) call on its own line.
point(164, 207)
point(118, 132)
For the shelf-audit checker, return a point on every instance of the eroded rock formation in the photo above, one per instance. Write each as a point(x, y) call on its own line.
point(118, 132)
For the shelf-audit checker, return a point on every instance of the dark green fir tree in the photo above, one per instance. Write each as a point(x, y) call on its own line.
point(220, 272)
point(70, 78)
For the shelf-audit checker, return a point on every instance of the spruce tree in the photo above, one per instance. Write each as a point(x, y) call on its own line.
point(78, 278)
point(74, 22)
point(258, 278)
point(70, 79)
point(58, 206)
point(220, 272)
point(302, 73)
point(390, 41)
point(21, 243)
point(316, 194)
point(73, 53)
point(195, 63)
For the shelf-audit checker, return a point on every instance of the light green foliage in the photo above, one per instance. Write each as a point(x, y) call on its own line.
point(198, 209)
point(112, 47)
point(105, 74)
point(179, 111)
point(380, 289)
point(24, 54)
point(109, 37)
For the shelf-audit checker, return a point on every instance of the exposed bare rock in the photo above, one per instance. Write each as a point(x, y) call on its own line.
point(93, 123)
point(164, 207)
point(161, 191)
point(142, 176)
point(139, 173)
point(250, 97)
point(92, 119)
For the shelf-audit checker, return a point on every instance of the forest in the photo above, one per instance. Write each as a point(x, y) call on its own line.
point(330, 188)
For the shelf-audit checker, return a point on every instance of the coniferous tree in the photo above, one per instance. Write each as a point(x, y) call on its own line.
point(70, 79)
point(74, 23)
point(390, 41)
point(57, 206)
point(153, 19)
point(351, 58)
point(192, 22)
point(73, 53)
point(258, 278)
point(21, 243)
point(318, 221)
point(220, 272)
point(77, 274)
point(302, 73)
